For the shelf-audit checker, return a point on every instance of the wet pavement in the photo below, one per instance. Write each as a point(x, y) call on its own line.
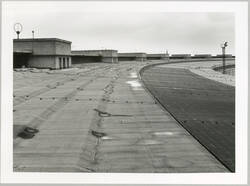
point(204, 107)
point(99, 118)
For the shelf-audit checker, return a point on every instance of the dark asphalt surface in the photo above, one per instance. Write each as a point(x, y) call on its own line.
point(205, 108)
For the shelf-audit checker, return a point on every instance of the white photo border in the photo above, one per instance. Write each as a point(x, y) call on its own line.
point(240, 9)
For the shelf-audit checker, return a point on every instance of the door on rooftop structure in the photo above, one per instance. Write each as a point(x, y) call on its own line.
point(60, 63)
point(20, 60)
point(67, 62)
point(64, 63)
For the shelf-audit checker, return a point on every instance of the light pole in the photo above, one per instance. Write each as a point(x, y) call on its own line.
point(18, 29)
point(167, 55)
point(223, 47)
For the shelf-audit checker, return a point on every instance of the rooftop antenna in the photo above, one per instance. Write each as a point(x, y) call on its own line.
point(18, 29)
point(33, 32)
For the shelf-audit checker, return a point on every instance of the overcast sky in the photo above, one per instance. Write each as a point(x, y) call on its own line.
point(150, 32)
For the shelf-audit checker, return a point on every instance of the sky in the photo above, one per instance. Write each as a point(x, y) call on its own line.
point(150, 32)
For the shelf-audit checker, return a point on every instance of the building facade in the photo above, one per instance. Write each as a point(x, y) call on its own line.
point(49, 53)
point(157, 56)
point(86, 56)
point(132, 56)
point(180, 56)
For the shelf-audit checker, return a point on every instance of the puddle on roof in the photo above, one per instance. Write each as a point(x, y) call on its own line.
point(135, 84)
point(133, 75)
point(107, 138)
point(163, 133)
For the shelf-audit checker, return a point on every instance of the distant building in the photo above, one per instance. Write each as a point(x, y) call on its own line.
point(201, 56)
point(87, 56)
point(157, 56)
point(226, 56)
point(180, 56)
point(138, 56)
point(50, 53)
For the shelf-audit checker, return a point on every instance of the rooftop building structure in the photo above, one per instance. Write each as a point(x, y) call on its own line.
point(132, 56)
point(50, 53)
point(106, 56)
point(157, 56)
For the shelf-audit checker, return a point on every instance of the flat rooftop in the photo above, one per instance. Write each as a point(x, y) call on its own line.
point(114, 125)
point(41, 40)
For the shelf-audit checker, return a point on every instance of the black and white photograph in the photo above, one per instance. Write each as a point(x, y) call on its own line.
point(141, 90)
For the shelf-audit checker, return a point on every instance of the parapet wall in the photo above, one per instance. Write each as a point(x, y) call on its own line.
point(104, 53)
point(157, 56)
point(43, 46)
point(132, 56)
point(198, 56)
point(202, 56)
point(180, 56)
point(82, 56)
point(226, 55)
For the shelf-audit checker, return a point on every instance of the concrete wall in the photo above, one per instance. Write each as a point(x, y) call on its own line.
point(52, 62)
point(126, 58)
point(106, 56)
point(43, 46)
point(45, 52)
point(157, 56)
point(110, 59)
point(38, 48)
point(104, 53)
point(62, 48)
point(85, 59)
point(220, 56)
point(180, 56)
point(42, 62)
point(202, 56)
point(141, 59)
point(132, 56)
point(86, 53)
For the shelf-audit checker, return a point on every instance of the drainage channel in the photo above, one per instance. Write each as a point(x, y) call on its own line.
point(88, 158)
